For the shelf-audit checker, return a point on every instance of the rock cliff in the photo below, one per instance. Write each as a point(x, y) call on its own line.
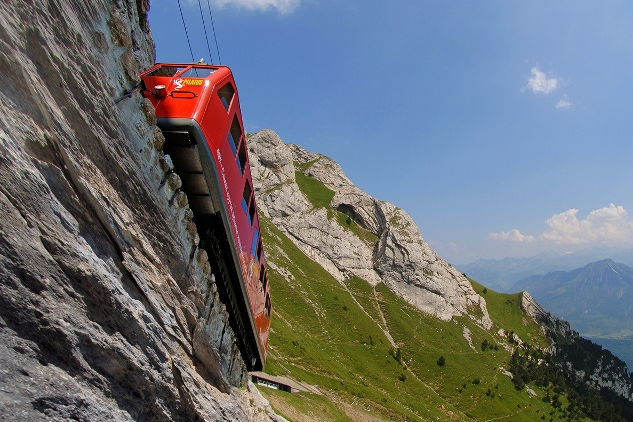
point(394, 253)
point(105, 311)
point(588, 362)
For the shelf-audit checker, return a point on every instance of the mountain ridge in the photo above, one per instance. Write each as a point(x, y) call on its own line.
point(596, 298)
point(400, 258)
point(323, 236)
point(502, 274)
point(598, 289)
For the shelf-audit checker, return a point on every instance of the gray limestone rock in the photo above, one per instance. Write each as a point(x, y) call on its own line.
point(107, 310)
point(393, 252)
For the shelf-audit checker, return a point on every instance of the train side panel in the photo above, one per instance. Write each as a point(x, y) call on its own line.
point(234, 172)
point(203, 113)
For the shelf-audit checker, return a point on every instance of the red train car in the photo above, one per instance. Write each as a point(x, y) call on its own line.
point(198, 110)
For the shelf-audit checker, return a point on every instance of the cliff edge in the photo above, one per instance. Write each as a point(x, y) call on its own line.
point(393, 252)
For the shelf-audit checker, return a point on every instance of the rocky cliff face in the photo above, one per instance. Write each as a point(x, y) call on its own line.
point(588, 362)
point(398, 256)
point(107, 309)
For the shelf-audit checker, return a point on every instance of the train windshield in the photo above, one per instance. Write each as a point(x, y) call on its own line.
point(166, 71)
point(188, 72)
point(197, 72)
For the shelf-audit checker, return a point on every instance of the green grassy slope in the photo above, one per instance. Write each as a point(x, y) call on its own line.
point(508, 315)
point(332, 335)
point(338, 336)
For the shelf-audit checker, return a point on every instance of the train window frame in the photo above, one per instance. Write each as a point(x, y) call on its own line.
point(255, 242)
point(242, 158)
point(235, 135)
point(248, 201)
point(226, 95)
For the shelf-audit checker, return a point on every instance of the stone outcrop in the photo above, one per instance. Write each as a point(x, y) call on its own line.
point(605, 371)
point(108, 311)
point(548, 321)
point(397, 256)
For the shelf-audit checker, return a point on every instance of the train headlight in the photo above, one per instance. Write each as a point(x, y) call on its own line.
point(160, 91)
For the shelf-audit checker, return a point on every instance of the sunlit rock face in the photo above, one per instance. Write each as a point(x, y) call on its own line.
point(606, 371)
point(108, 311)
point(394, 253)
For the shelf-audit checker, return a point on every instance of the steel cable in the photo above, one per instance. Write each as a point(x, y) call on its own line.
point(186, 33)
point(205, 32)
point(214, 37)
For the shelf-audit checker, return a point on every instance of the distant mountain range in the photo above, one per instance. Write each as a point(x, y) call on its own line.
point(502, 274)
point(597, 298)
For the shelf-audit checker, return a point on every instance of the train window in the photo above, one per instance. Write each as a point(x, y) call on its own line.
point(245, 206)
point(263, 277)
point(197, 72)
point(267, 308)
point(251, 211)
point(236, 129)
point(241, 156)
point(259, 250)
point(232, 143)
point(247, 192)
point(235, 135)
point(166, 71)
point(226, 95)
point(247, 201)
point(254, 246)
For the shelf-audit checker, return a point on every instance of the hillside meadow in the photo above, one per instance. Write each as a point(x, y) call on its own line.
point(337, 336)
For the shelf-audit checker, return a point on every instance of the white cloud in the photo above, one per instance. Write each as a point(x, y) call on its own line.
point(564, 103)
point(539, 82)
point(608, 226)
point(282, 6)
point(512, 235)
point(605, 226)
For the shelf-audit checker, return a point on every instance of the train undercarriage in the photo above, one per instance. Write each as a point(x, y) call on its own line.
point(193, 164)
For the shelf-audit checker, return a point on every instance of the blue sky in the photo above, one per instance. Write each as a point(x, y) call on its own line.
point(503, 128)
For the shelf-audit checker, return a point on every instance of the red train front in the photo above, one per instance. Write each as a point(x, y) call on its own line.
point(198, 110)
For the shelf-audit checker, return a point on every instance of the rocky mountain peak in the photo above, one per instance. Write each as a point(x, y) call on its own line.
point(608, 266)
point(379, 242)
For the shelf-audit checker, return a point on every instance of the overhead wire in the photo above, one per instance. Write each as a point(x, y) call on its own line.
point(186, 33)
point(214, 37)
point(205, 32)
